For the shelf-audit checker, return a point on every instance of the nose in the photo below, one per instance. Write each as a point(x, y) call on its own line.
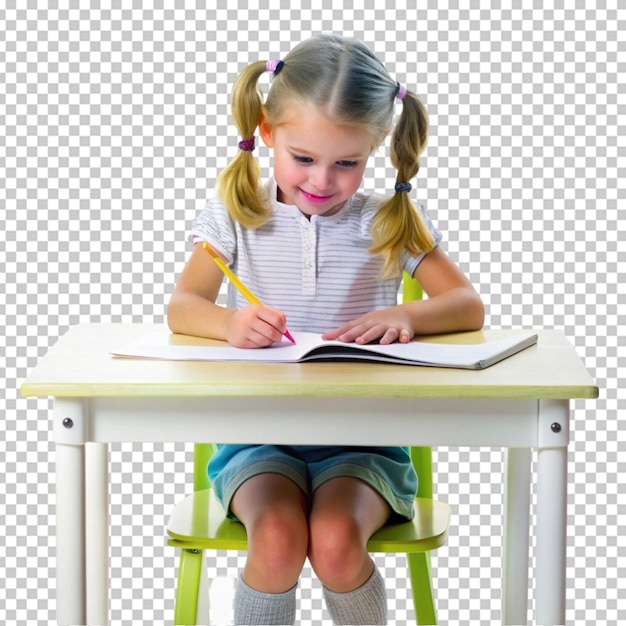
point(321, 178)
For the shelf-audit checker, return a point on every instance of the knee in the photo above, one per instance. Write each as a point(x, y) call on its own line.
point(337, 552)
point(277, 544)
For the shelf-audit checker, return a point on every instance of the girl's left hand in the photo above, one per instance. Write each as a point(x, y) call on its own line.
point(386, 326)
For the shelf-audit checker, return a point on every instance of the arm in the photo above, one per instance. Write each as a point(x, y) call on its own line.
point(452, 305)
point(192, 309)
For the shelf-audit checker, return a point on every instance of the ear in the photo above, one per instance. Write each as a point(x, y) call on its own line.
point(266, 130)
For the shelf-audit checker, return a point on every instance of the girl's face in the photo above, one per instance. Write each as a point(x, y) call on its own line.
point(318, 164)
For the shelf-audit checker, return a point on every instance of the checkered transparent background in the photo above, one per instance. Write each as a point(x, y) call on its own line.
point(113, 126)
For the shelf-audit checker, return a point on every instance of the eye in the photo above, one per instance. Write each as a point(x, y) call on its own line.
point(302, 159)
point(347, 164)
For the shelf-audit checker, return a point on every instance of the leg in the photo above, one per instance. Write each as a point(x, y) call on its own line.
point(70, 417)
point(551, 534)
point(70, 512)
point(188, 588)
point(97, 532)
point(273, 510)
point(345, 513)
point(516, 536)
point(422, 587)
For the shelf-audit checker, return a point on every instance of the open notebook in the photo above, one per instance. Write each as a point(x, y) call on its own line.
point(310, 347)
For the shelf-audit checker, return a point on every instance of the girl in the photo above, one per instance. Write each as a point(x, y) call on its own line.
point(327, 259)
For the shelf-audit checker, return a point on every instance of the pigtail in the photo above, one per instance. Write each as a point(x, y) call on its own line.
point(398, 225)
point(238, 185)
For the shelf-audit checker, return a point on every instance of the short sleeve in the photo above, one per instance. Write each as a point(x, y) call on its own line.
point(410, 262)
point(215, 226)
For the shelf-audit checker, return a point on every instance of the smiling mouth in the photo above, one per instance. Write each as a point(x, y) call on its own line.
point(313, 198)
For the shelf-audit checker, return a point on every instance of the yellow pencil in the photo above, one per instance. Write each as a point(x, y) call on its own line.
point(243, 290)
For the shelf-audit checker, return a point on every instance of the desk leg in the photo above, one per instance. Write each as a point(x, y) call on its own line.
point(82, 517)
point(516, 536)
point(551, 535)
point(97, 533)
point(70, 513)
point(551, 528)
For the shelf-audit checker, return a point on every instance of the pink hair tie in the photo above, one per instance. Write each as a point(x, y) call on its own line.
point(274, 66)
point(401, 92)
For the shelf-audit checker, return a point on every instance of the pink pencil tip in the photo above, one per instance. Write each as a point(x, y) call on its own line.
point(288, 335)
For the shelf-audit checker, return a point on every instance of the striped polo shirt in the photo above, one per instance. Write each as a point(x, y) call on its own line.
point(317, 271)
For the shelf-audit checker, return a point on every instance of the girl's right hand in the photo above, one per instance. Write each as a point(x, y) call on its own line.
point(255, 326)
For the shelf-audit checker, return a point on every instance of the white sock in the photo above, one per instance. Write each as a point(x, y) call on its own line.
point(255, 607)
point(365, 605)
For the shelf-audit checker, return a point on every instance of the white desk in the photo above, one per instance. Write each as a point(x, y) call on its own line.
point(519, 404)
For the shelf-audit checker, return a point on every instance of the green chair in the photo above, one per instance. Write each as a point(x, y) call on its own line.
point(198, 523)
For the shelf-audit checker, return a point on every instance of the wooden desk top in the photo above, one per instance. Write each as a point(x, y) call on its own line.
point(79, 365)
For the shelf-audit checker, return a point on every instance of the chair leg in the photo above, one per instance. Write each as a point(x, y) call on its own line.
point(422, 588)
point(188, 587)
point(203, 613)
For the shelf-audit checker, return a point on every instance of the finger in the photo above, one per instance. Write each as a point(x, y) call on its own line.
point(273, 318)
point(372, 334)
point(356, 334)
point(335, 334)
point(251, 330)
point(250, 338)
point(405, 336)
point(264, 334)
point(391, 335)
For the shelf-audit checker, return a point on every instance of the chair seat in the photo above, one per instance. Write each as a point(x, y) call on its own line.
point(199, 522)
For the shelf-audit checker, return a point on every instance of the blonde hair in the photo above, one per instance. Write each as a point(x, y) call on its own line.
point(347, 83)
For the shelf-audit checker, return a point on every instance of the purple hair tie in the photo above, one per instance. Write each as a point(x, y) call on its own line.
point(247, 145)
point(274, 66)
point(401, 92)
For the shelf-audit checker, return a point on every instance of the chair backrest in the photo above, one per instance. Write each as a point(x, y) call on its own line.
point(202, 453)
point(421, 456)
